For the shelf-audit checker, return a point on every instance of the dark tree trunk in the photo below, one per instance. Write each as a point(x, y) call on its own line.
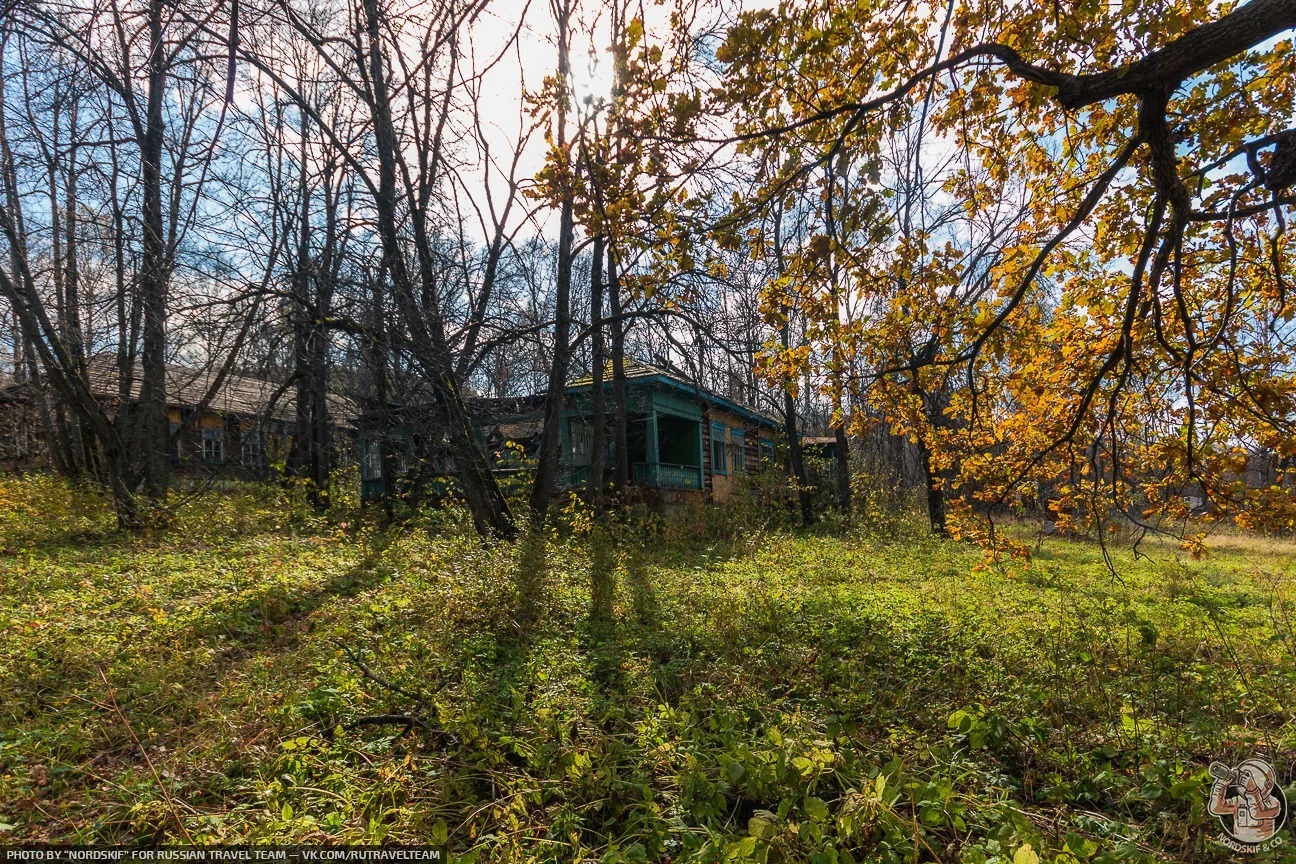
point(300, 309)
point(935, 483)
point(843, 472)
point(325, 280)
point(551, 439)
point(489, 510)
point(154, 430)
point(83, 438)
point(796, 459)
point(598, 436)
point(620, 423)
point(843, 469)
point(310, 457)
point(795, 456)
point(382, 420)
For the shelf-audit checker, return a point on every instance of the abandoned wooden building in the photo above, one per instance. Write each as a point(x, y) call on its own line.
point(245, 426)
point(684, 442)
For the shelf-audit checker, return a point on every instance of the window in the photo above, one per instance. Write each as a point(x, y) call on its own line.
point(404, 452)
point(738, 451)
point(213, 445)
point(253, 451)
point(581, 440)
point(767, 451)
point(176, 453)
point(371, 465)
point(719, 448)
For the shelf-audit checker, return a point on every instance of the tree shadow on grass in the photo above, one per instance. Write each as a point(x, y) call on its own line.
point(617, 643)
point(643, 599)
point(76, 543)
point(235, 627)
point(530, 578)
point(249, 624)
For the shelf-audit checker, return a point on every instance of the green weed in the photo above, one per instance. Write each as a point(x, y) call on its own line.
point(738, 694)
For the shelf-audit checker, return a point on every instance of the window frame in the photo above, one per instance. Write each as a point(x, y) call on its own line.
point(738, 450)
point(251, 448)
point(213, 435)
point(580, 442)
point(371, 461)
point(720, 449)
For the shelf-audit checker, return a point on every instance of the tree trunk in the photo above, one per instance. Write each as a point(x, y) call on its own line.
point(309, 458)
point(322, 434)
point(302, 427)
point(843, 469)
point(83, 439)
point(551, 439)
point(843, 473)
point(598, 436)
point(378, 369)
point(795, 457)
point(794, 437)
point(489, 510)
point(935, 491)
point(620, 423)
point(154, 429)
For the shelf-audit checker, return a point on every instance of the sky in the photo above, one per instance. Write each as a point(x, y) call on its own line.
point(535, 56)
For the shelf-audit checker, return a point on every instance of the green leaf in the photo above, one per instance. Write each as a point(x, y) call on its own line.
point(1026, 855)
point(759, 826)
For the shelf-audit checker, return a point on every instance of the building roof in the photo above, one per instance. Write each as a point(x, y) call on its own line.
point(646, 372)
point(633, 369)
point(515, 407)
point(186, 387)
point(518, 413)
point(480, 408)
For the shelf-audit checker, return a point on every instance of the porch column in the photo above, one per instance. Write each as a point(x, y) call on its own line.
point(651, 436)
point(697, 454)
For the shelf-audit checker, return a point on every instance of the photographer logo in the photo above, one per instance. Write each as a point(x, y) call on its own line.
point(1249, 803)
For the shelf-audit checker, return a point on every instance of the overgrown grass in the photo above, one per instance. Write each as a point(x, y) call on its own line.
point(750, 695)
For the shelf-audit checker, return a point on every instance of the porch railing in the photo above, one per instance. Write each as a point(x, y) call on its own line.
point(577, 475)
point(663, 475)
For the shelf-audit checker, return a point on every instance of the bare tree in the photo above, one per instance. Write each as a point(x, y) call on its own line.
point(165, 130)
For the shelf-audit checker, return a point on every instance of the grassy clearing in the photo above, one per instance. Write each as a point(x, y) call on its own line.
point(765, 696)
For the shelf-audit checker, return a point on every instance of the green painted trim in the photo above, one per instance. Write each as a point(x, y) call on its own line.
point(719, 466)
point(652, 446)
point(666, 402)
point(697, 392)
